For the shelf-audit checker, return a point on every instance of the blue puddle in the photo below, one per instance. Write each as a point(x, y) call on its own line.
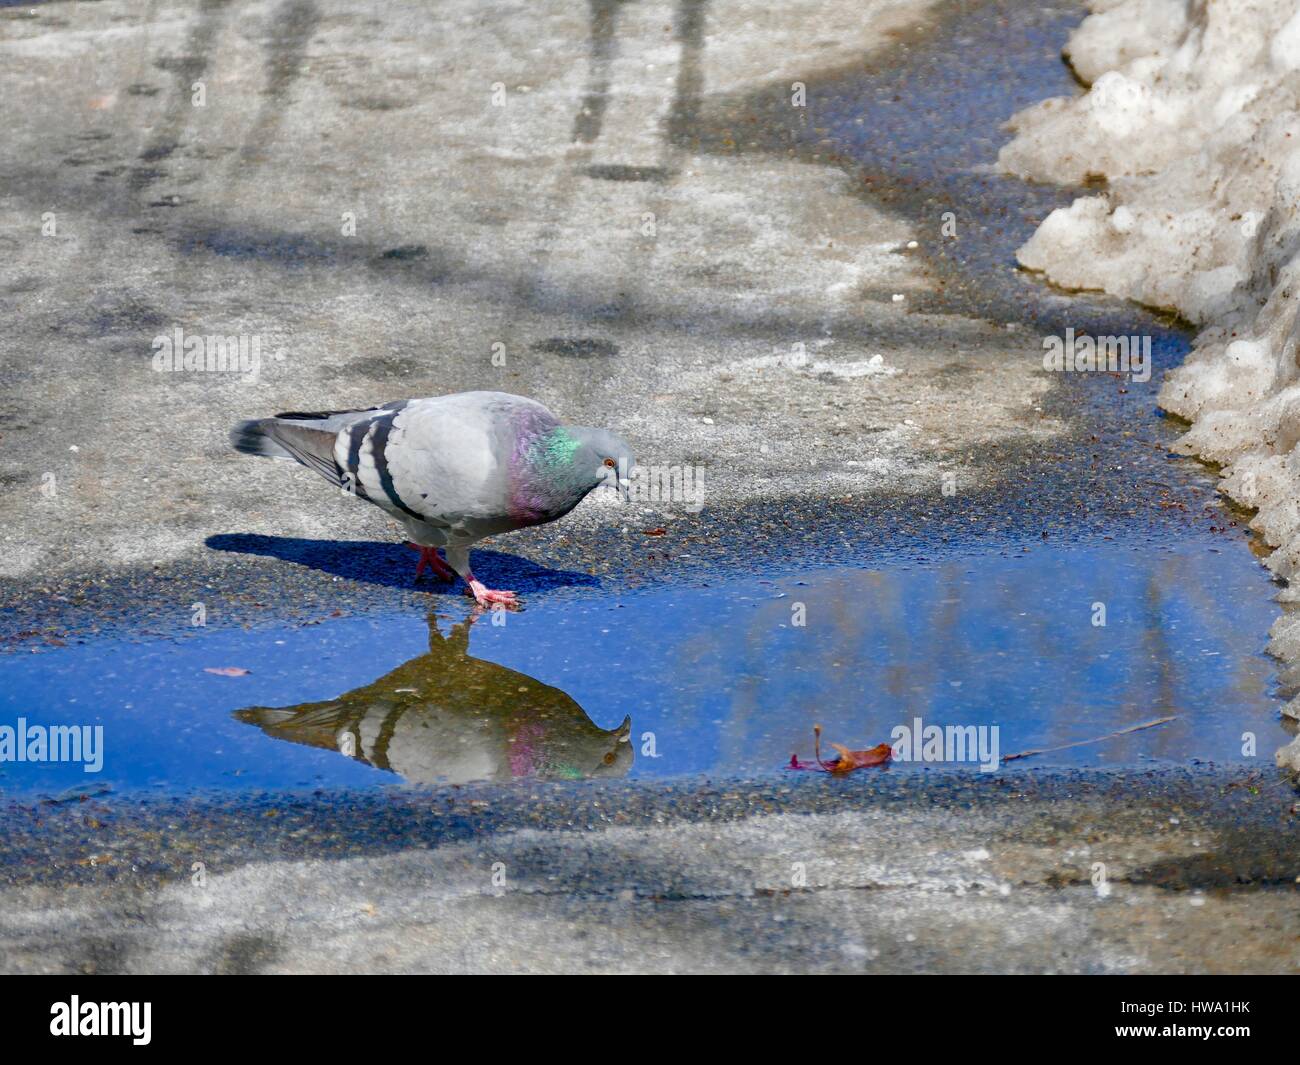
point(716, 680)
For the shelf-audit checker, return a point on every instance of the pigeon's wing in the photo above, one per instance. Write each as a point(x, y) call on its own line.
point(443, 461)
point(307, 438)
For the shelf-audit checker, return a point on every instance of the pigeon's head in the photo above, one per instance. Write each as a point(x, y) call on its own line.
point(591, 752)
point(562, 466)
point(601, 457)
point(617, 758)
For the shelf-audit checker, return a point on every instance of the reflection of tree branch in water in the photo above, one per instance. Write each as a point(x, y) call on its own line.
point(447, 717)
point(1096, 739)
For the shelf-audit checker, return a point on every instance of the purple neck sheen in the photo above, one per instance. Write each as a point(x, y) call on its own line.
point(533, 494)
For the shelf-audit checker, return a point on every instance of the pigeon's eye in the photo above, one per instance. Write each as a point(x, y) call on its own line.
point(611, 463)
point(609, 758)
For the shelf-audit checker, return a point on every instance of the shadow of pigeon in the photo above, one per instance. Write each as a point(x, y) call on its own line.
point(393, 565)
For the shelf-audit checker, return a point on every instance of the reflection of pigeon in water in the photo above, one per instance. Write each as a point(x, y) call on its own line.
point(445, 717)
point(452, 470)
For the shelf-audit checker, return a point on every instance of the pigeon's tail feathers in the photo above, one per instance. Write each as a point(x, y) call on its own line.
point(312, 724)
point(253, 437)
point(302, 441)
point(264, 716)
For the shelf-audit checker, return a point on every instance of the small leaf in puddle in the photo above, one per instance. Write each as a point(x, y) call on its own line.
point(847, 761)
point(657, 531)
point(226, 671)
point(851, 760)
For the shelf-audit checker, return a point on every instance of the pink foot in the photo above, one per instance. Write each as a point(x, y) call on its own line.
point(485, 596)
point(429, 557)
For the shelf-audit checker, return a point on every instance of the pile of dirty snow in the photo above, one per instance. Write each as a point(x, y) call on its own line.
point(1193, 119)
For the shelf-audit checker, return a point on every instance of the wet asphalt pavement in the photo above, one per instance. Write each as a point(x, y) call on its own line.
point(1173, 870)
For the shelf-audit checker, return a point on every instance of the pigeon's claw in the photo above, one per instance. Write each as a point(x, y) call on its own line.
point(485, 596)
point(429, 557)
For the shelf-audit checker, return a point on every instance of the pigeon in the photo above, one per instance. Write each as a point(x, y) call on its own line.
point(446, 717)
point(451, 469)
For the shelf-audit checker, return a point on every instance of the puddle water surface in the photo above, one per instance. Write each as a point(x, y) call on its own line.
point(707, 680)
point(724, 680)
